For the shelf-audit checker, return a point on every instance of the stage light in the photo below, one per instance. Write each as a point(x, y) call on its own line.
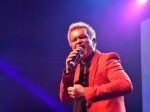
point(49, 100)
point(142, 1)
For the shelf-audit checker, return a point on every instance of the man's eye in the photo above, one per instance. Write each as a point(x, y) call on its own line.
point(82, 37)
point(74, 40)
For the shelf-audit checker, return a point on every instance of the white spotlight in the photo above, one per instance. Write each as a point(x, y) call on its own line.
point(143, 1)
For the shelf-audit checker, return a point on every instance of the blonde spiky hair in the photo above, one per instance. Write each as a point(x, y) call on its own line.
point(79, 25)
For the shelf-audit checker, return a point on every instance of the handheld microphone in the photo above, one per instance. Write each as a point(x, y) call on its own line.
point(75, 59)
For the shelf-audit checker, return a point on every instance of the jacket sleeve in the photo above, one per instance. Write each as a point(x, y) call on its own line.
point(118, 82)
point(66, 81)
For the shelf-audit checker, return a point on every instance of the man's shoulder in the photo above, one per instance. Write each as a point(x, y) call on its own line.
point(109, 55)
point(100, 57)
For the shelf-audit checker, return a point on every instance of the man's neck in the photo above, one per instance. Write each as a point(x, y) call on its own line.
point(87, 60)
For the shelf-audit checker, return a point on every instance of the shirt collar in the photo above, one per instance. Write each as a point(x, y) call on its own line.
point(88, 60)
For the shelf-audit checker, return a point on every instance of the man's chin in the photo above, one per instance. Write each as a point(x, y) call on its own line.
point(82, 56)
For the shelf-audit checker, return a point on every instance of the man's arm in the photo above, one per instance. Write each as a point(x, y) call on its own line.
point(119, 83)
point(66, 81)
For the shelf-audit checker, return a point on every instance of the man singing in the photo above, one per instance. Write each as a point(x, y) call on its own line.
point(95, 81)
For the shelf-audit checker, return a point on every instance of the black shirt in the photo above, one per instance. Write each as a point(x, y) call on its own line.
point(83, 80)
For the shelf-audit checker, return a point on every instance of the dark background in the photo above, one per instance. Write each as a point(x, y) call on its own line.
point(33, 48)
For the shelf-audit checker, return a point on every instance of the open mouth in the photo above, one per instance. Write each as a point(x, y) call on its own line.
point(82, 46)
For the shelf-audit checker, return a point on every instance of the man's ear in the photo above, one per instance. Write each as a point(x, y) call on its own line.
point(94, 41)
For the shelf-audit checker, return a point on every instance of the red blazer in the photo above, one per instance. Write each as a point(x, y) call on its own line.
point(108, 82)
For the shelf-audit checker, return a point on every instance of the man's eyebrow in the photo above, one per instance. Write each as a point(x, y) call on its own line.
point(82, 35)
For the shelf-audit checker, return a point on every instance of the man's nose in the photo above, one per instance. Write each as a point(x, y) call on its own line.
point(79, 41)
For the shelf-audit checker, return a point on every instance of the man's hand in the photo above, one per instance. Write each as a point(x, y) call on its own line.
point(70, 58)
point(76, 92)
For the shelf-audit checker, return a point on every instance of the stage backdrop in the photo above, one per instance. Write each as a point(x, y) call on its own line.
point(33, 48)
point(145, 63)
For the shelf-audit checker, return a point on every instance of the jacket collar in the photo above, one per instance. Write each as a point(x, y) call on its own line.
point(92, 69)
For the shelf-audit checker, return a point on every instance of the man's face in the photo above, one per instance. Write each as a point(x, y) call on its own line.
point(80, 38)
